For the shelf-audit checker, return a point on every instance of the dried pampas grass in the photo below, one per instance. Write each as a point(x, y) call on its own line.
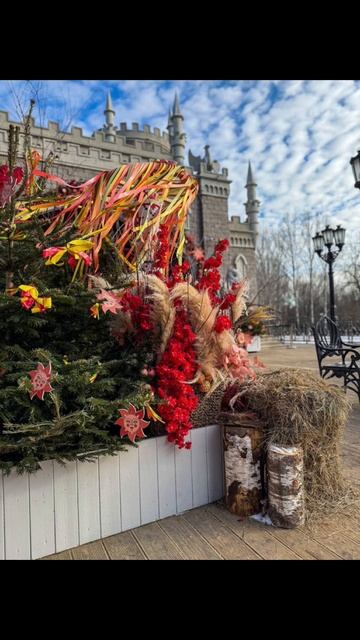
point(239, 305)
point(162, 310)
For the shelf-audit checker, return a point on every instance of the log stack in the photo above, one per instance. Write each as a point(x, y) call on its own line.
point(242, 464)
point(285, 472)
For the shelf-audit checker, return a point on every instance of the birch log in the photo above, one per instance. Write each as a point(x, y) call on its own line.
point(285, 469)
point(242, 465)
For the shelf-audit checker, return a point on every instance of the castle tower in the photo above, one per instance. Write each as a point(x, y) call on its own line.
point(177, 135)
point(170, 128)
point(252, 205)
point(109, 128)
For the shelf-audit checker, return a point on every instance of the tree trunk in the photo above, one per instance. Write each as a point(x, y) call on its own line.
point(285, 486)
point(242, 464)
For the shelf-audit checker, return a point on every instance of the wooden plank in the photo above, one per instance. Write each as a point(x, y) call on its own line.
point(110, 514)
point(215, 459)
point(166, 477)
point(199, 467)
point(64, 555)
point(123, 546)
point(149, 489)
point(91, 551)
point(340, 544)
point(302, 544)
point(66, 506)
point(183, 478)
point(190, 543)
point(129, 488)
point(224, 541)
point(155, 543)
point(2, 519)
point(254, 535)
point(17, 517)
point(42, 520)
point(89, 503)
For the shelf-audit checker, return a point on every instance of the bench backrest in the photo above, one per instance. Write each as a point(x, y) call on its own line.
point(327, 333)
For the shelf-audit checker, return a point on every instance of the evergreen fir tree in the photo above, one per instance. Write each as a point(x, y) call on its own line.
point(92, 376)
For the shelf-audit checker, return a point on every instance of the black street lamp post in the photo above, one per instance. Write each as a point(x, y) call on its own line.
point(355, 163)
point(327, 238)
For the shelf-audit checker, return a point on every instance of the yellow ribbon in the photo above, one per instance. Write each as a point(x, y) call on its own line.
point(152, 414)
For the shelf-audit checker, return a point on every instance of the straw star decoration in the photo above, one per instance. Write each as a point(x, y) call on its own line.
point(132, 423)
point(40, 381)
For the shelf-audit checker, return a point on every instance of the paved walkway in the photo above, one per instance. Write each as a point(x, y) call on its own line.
point(212, 533)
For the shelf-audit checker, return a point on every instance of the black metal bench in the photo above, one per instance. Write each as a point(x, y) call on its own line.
point(329, 345)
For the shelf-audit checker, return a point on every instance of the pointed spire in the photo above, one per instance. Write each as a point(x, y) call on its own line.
point(109, 113)
point(109, 106)
point(176, 107)
point(250, 178)
point(176, 133)
point(169, 124)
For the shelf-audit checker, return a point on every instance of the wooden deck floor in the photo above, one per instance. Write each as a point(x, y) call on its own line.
point(212, 533)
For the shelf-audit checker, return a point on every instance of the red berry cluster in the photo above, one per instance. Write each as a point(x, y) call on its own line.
point(211, 278)
point(139, 311)
point(178, 366)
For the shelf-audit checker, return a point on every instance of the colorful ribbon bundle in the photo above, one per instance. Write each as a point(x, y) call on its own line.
point(128, 203)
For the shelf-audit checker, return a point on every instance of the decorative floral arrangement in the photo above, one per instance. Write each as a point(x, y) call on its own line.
point(117, 241)
point(187, 323)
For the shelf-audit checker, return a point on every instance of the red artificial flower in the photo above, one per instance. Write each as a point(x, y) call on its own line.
point(40, 380)
point(132, 423)
point(222, 323)
point(8, 183)
point(18, 174)
point(177, 366)
point(221, 246)
point(213, 262)
point(228, 300)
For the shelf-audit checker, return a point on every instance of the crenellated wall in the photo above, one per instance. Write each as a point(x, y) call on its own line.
point(79, 157)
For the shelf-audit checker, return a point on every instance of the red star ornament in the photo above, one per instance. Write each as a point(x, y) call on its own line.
point(40, 380)
point(132, 423)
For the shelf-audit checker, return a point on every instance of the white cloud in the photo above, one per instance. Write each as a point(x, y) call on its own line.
point(298, 134)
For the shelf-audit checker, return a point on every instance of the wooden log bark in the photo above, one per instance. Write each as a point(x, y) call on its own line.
point(242, 466)
point(285, 470)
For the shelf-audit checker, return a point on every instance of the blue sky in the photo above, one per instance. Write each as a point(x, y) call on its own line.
point(298, 134)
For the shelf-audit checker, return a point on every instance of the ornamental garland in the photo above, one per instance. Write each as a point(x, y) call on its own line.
point(127, 204)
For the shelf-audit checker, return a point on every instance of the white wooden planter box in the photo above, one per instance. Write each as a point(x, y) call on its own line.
point(255, 345)
point(59, 507)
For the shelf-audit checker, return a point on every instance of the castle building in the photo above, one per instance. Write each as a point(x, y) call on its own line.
point(76, 156)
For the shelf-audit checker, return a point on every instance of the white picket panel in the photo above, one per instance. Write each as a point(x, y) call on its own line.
point(66, 506)
point(166, 477)
point(42, 521)
point(17, 517)
point(110, 513)
point(130, 488)
point(60, 507)
point(214, 463)
point(183, 479)
point(2, 520)
point(89, 501)
point(199, 467)
point(149, 485)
